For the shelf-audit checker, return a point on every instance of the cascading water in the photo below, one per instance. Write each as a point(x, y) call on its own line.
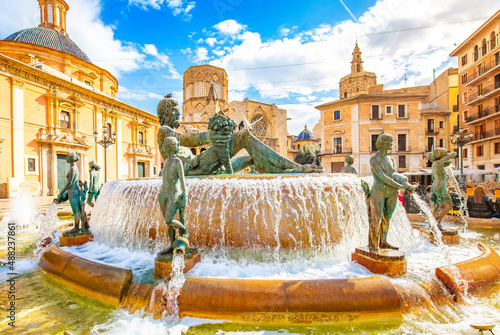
point(450, 170)
point(325, 214)
point(47, 229)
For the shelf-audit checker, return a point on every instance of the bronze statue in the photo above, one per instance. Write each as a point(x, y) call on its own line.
point(349, 168)
point(173, 196)
point(384, 193)
point(94, 189)
point(440, 197)
point(75, 193)
point(209, 162)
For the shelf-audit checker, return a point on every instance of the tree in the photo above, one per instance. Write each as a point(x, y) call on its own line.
point(308, 154)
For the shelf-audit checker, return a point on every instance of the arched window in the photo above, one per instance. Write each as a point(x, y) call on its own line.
point(197, 113)
point(58, 16)
point(476, 53)
point(493, 40)
point(345, 94)
point(217, 86)
point(200, 87)
point(50, 13)
point(484, 49)
point(358, 68)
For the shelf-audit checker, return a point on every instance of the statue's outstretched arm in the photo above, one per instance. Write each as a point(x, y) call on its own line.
point(194, 139)
point(447, 157)
point(377, 170)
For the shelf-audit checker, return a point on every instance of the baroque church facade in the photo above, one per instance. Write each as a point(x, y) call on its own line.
point(52, 100)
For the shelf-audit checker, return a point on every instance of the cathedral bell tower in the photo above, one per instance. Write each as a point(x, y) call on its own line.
point(358, 81)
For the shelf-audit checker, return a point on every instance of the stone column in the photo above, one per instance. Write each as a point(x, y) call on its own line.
point(53, 190)
point(119, 152)
point(18, 129)
point(99, 156)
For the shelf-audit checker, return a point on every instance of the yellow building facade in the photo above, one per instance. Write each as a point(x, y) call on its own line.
point(52, 100)
point(479, 94)
point(352, 124)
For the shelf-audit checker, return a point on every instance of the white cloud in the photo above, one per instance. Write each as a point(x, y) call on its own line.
point(392, 34)
point(229, 27)
point(211, 41)
point(136, 94)
point(178, 7)
point(284, 31)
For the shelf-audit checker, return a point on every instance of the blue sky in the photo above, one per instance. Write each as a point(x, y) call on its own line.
point(292, 53)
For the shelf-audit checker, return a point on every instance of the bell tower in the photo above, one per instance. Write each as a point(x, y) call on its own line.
point(53, 14)
point(358, 81)
point(356, 63)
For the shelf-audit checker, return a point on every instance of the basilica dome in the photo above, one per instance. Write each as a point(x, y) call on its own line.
point(49, 38)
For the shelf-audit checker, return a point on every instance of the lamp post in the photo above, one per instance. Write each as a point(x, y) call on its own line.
point(105, 142)
point(460, 138)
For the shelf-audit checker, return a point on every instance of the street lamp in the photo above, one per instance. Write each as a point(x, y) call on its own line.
point(460, 138)
point(105, 142)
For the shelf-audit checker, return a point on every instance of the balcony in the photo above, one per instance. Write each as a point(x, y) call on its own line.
point(482, 114)
point(483, 94)
point(403, 149)
point(336, 151)
point(486, 134)
point(431, 132)
point(376, 117)
point(483, 71)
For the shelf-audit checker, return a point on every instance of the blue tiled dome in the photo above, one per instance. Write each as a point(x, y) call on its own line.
point(305, 134)
point(49, 38)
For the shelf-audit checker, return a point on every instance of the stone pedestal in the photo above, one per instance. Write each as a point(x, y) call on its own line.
point(163, 265)
point(450, 235)
point(387, 261)
point(68, 241)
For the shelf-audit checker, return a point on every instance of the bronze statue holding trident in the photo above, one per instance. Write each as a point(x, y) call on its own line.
point(440, 197)
point(265, 159)
point(384, 193)
point(173, 196)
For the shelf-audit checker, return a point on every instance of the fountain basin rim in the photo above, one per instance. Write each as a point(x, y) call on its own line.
point(258, 176)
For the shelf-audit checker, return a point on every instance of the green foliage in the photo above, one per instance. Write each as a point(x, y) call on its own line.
point(308, 154)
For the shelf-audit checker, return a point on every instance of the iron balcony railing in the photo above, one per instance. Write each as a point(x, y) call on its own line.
point(483, 113)
point(432, 131)
point(336, 151)
point(486, 134)
point(483, 92)
point(483, 70)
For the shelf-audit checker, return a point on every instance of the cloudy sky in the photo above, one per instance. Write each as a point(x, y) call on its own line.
point(291, 52)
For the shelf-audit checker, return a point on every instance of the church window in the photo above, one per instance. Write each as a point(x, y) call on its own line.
point(64, 120)
point(345, 94)
point(200, 89)
point(358, 68)
point(189, 90)
point(58, 16)
point(197, 112)
point(50, 13)
point(259, 128)
point(336, 115)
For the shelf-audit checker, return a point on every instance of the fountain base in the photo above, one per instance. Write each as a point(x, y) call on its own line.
point(68, 241)
point(450, 235)
point(163, 265)
point(387, 261)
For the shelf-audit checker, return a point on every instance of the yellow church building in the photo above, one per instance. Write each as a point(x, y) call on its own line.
point(52, 100)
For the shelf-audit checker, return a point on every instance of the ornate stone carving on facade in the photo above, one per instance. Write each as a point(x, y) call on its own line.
point(16, 82)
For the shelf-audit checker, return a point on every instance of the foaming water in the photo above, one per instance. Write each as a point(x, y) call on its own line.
point(450, 170)
point(325, 214)
point(47, 229)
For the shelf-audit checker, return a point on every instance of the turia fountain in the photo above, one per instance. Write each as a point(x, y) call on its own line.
point(264, 251)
